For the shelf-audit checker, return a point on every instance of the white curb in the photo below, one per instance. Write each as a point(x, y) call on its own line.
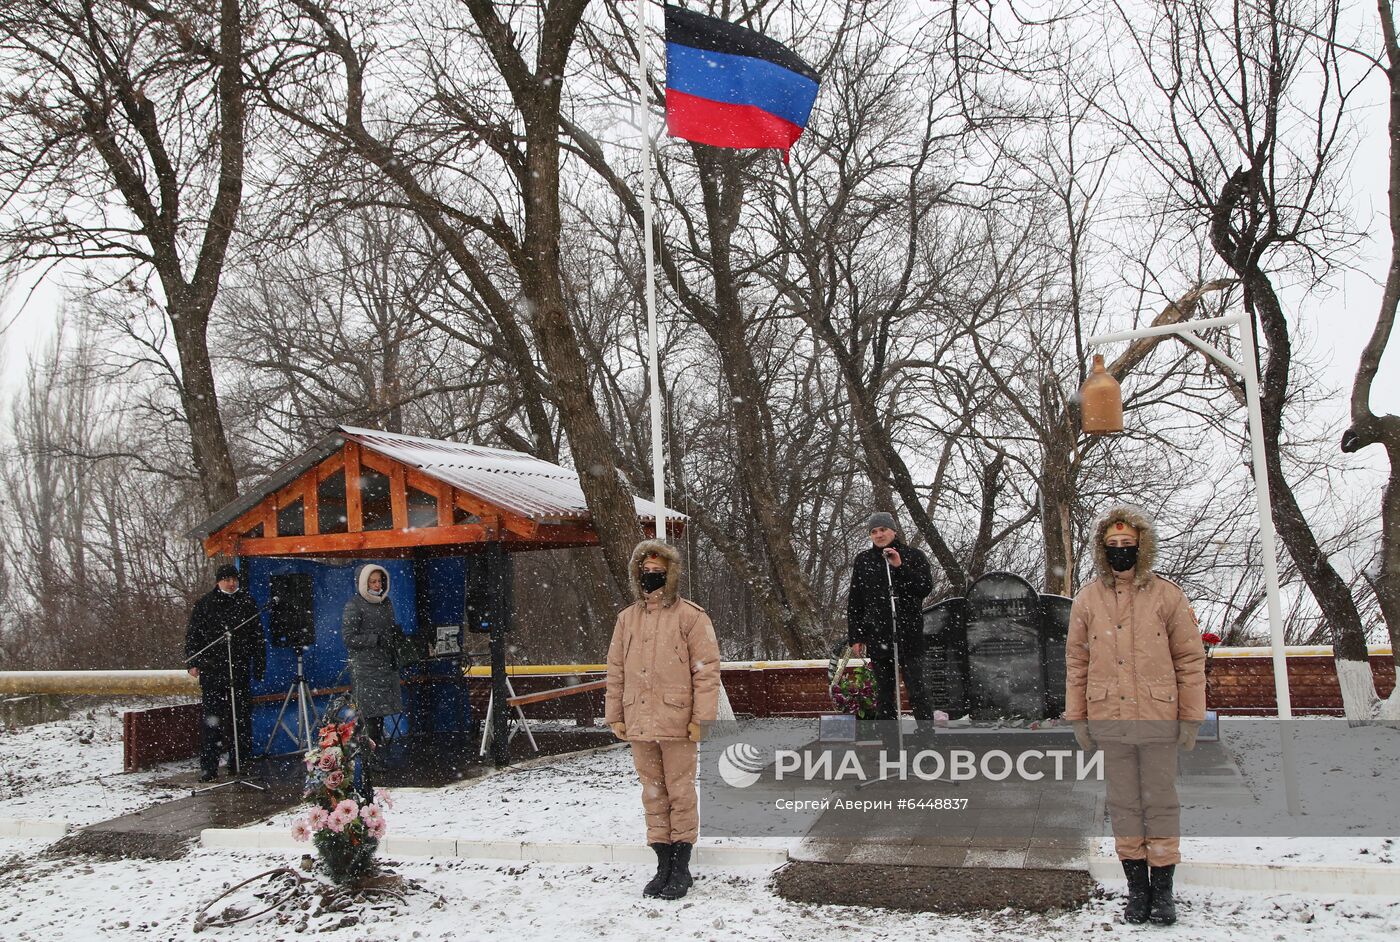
point(33, 827)
point(539, 851)
point(1306, 879)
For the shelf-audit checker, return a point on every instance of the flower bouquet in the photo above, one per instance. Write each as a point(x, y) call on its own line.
point(1209, 640)
point(854, 692)
point(344, 826)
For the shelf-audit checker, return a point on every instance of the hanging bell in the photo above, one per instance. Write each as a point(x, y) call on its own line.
point(1101, 401)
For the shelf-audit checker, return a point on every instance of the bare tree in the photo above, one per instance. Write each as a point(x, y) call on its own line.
point(1367, 428)
point(1247, 140)
point(124, 143)
point(91, 544)
point(320, 82)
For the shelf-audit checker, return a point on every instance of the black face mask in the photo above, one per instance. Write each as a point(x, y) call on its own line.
point(651, 581)
point(1122, 558)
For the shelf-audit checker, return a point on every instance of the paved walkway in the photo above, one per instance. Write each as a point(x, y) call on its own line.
point(166, 830)
point(1001, 825)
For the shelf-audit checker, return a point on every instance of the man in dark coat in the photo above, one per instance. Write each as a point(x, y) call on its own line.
point(868, 624)
point(372, 635)
point(224, 681)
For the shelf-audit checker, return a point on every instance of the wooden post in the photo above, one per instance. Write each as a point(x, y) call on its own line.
point(270, 516)
point(311, 506)
point(445, 505)
point(354, 512)
point(495, 557)
point(398, 496)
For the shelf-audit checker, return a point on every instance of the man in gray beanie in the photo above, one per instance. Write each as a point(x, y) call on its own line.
point(890, 563)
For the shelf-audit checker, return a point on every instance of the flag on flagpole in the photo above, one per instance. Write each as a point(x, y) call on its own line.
point(728, 86)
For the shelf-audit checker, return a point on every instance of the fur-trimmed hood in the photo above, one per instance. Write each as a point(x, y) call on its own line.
point(665, 551)
point(1147, 542)
point(362, 583)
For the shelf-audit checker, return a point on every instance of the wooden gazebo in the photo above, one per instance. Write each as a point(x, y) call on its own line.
point(442, 517)
point(360, 492)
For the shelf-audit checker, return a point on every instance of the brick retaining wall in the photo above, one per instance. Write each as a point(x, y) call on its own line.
point(1238, 683)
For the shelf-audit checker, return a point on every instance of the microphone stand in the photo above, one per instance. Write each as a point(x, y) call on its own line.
point(894, 639)
point(238, 776)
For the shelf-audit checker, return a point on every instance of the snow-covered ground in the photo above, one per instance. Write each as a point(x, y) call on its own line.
point(72, 769)
point(579, 799)
point(49, 900)
point(593, 797)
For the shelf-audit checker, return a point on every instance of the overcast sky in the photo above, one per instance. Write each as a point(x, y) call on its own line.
point(1332, 325)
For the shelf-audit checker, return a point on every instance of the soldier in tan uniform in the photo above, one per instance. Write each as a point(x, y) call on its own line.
point(663, 689)
point(1135, 686)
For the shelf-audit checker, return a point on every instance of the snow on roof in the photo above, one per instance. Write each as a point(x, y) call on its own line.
point(511, 480)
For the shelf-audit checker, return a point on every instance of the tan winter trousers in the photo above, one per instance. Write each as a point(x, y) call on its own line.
point(669, 799)
point(1142, 801)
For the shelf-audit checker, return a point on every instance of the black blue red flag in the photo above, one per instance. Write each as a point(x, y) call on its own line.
point(728, 86)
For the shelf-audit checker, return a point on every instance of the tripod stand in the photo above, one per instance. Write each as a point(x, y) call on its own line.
point(305, 710)
point(894, 640)
point(238, 777)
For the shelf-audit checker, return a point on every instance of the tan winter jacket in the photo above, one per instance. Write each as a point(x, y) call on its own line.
point(1134, 662)
point(663, 662)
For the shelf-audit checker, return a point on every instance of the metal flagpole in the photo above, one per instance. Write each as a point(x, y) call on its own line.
point(658, 465)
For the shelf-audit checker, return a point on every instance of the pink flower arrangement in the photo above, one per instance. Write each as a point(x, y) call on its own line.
point(345, 827)
point(336, 734)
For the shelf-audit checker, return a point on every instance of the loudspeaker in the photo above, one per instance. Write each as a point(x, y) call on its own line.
point(489, 595)
point(293, 622)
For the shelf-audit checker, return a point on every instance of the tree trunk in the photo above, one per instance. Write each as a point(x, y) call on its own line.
point(1367, 428)
point(883, 459)
point(1387, 581)
point(1057, 492)
point(1327, 586)
point(721, 182)
point(609, 500)
point(200, 400)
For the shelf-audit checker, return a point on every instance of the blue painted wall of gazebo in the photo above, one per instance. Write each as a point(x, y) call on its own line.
point(333, 585)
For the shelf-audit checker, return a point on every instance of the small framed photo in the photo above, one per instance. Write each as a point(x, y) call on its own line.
point(449, 639)
point(836, 727)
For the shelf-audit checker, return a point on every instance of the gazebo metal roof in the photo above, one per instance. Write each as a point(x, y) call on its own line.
point(482, 495)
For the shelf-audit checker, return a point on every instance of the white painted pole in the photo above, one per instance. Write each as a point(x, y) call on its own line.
point(1248, 369)
point(1267, 541)
point(658, 452)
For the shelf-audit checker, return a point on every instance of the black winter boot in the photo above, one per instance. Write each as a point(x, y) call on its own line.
point(663, 870)
point(1163, 905)
point(1139, 891)
point(679, 882)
